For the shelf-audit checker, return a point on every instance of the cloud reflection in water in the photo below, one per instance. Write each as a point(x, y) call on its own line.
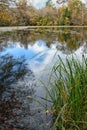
point(39, 56)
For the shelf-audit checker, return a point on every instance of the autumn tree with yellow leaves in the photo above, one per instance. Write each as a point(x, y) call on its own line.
point(70, 12)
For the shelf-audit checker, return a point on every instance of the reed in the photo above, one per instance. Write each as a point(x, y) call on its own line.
point(68, 94)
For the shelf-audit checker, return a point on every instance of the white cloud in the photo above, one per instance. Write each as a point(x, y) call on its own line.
point(84, 1)
point(41, 3)
point(38, 3)
point(39, 46)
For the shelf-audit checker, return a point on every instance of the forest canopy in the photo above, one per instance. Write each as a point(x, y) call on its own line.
point(66, 12)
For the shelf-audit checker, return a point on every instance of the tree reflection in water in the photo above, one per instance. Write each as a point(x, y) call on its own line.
point(13, 98)
point(11, 70)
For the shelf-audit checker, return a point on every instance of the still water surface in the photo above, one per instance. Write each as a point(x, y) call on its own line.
point(40, 48)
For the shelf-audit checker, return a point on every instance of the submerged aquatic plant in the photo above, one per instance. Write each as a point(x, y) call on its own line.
point(68, 94)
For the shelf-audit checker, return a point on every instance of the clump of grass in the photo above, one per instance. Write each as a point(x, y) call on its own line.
point(68, 94)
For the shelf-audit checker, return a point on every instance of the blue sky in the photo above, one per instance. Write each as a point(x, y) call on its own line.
point(41, 3)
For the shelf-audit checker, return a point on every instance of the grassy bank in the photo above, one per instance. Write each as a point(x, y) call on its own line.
point(68, 94)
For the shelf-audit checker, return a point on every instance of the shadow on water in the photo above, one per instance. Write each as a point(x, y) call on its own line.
point(11, 105)
point(16, 83)
point(11, 70)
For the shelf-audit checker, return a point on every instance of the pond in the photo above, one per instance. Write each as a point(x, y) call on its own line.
point(38, 50)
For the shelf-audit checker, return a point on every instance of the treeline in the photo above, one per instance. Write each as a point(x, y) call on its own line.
point(72, 13)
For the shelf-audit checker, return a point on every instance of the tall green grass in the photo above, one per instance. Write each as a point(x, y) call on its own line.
point(68, 94)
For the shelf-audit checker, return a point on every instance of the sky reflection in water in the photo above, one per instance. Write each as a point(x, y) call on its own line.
point(39, 55)
point(36, 54)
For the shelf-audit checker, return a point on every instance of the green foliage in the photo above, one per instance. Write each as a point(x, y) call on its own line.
point(68, 94)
